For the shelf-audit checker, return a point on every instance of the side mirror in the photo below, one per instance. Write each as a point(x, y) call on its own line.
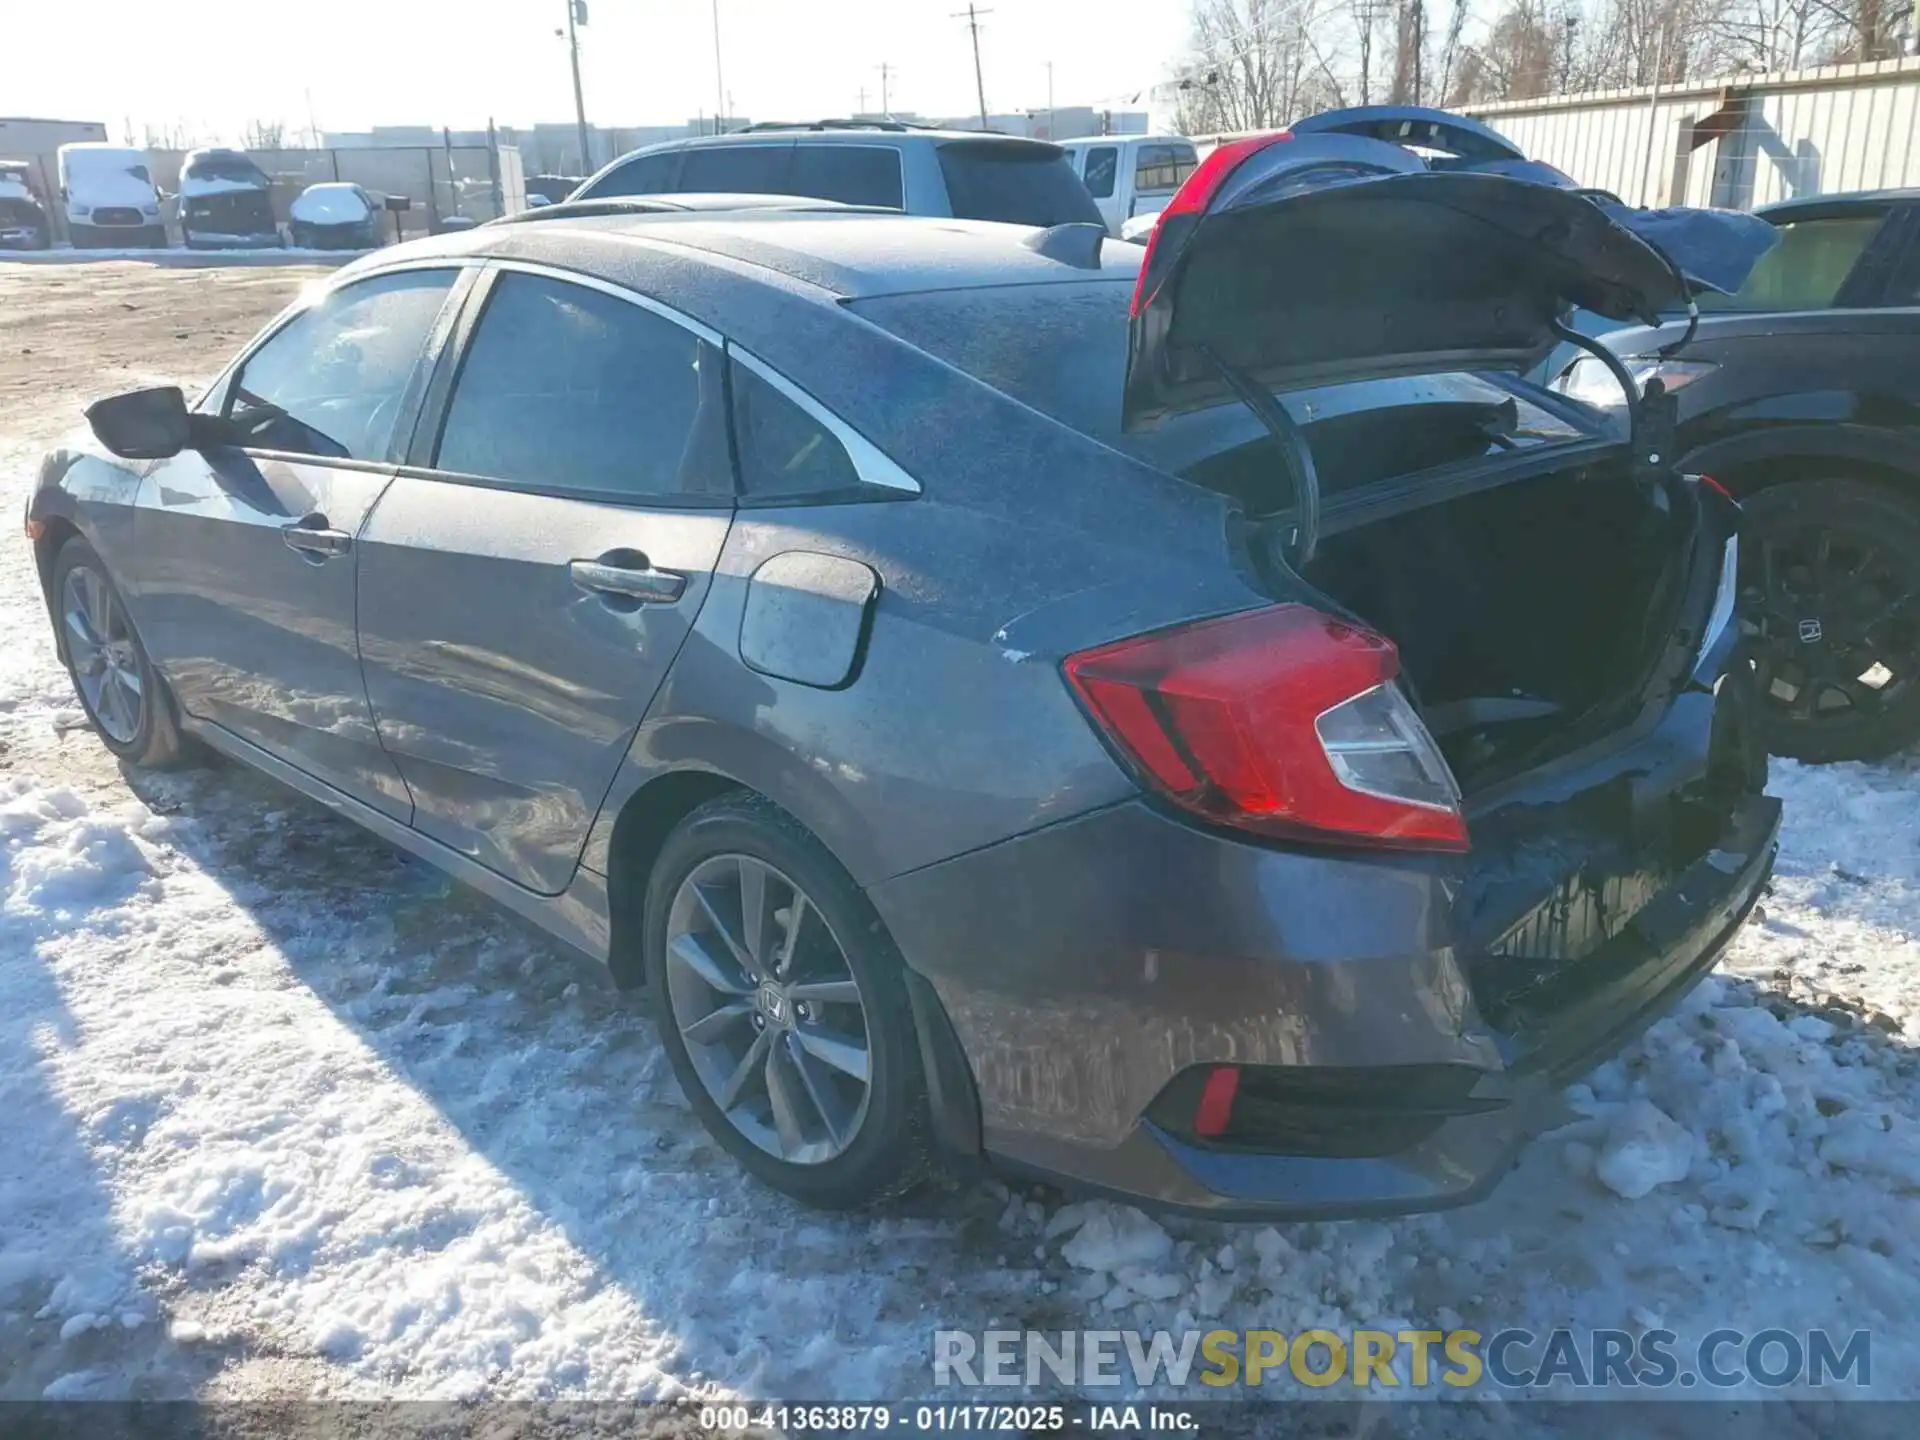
point(142, 424)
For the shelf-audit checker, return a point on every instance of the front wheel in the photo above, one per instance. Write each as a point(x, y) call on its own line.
point(782, 1008)
point(123, 695)
point(1830, 605)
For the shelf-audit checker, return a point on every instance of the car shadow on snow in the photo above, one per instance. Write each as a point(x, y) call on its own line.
point(1781, 1151)
point(558, 1081)
point(75, 1321)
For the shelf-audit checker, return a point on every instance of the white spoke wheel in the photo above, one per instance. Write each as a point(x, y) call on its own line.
point(116, 683)
point(782, 1006)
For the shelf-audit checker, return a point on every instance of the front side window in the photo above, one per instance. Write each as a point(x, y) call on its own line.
point(647, 175)
point(332, 382)
point(850, 174)
point(1806, 269)
point(568, 389)
point(738, 170)
point(1102, 164)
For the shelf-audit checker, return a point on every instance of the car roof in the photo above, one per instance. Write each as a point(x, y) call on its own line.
point(1810, 207)
point(1077, 140)
point(852, 255)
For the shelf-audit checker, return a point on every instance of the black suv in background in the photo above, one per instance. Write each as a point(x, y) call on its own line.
point(1800, 392)
point(963, 173)
point(226, 202)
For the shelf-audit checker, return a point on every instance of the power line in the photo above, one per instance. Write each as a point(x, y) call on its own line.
point(972, 17)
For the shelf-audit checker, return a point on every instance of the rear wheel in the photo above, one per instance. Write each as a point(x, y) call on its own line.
point(1830, 604)
point(782, 1007)
point(123, 695)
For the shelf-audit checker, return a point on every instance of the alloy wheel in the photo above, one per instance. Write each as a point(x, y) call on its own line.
point(100, 645)
point(1833, 617)
point(770, 1011)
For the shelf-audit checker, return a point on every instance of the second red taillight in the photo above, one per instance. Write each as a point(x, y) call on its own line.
point(1283, 721)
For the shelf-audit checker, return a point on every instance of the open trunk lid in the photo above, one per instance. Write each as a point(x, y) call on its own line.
point(1304, 260)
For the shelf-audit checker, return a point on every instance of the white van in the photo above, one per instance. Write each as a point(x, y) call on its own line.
point(1130, 175)
point(109, 196)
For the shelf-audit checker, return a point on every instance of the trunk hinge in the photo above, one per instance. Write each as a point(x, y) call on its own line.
point(1295, 453)
point(1653, 414)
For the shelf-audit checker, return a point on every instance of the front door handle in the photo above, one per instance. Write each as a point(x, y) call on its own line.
point(311, 536)
point(634, 581)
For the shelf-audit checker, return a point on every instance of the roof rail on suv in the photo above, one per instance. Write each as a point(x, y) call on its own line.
point(760, 125)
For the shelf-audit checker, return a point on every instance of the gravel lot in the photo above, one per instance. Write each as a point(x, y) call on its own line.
point(288, 1115)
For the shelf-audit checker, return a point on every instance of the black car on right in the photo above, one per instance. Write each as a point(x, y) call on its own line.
point(1800, 393)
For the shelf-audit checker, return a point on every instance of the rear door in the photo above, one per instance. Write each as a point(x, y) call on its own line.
point(247, 593)
point(527, 580)
point(1159, 168)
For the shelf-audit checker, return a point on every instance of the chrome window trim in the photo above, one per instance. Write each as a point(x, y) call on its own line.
point(686, 322)
point(870, 463)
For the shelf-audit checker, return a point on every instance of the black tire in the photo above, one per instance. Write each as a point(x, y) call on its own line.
point(154, 741)
point(887, 1155)
point(1830, 559)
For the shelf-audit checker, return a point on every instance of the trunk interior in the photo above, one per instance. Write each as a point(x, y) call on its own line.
point(1525, 615)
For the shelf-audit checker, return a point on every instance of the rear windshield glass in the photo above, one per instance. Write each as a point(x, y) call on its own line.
point(1163, 167)
point(1062, 348)
point(1019, 184)
point(1806, 269)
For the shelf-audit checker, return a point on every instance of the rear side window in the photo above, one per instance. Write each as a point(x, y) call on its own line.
point(785, 453)
point(1102, 165)
point(1806, 269)
point(1020, 183)
point(648, 175)
point(332, 381)
point(572, 390)
point(850, 174)
point(1163, 167)
point(738, 170)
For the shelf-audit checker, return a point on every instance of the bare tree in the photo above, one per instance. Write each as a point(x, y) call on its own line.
point(264, 134)
point(1253, 65)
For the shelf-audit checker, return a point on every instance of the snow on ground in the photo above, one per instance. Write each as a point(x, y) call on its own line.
point(288, 1113)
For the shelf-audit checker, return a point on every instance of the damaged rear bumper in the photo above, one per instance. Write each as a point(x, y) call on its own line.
point(1372, 1082)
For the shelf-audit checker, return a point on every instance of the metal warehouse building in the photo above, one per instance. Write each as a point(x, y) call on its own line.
point(1739, 142)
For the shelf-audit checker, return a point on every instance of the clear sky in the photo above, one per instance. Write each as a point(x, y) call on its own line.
point(216, 64)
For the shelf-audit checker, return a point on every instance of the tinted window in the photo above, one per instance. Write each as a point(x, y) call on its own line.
point(331, 381)
point(851, 174)
point(1163, 167)
point(1014, 181)
point(738, 170)
point(569, 389)
point(1102, 165)
point(785, 454)
point(648, 175)
point(1806, 269)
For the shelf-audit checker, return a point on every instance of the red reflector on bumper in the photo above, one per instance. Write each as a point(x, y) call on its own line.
point(1215, 1109)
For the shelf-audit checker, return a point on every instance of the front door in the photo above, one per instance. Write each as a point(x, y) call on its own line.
point(526, 585)
point(247, 596)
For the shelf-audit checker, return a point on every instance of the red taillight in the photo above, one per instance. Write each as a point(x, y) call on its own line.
point(1190, 200)
point(1715, 486)
point(1283, 721)
point(1215, 1110)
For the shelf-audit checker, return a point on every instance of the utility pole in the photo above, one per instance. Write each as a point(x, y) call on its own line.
point(577, 12)
point(719, 79)
point(886, 105)
point(972, 17)
point(1053, 126)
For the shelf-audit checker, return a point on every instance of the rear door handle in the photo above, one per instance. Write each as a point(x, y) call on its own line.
point(635, 582)
point(312, 538)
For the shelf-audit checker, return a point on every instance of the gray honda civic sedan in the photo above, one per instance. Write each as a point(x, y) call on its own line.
point(1189, 722)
